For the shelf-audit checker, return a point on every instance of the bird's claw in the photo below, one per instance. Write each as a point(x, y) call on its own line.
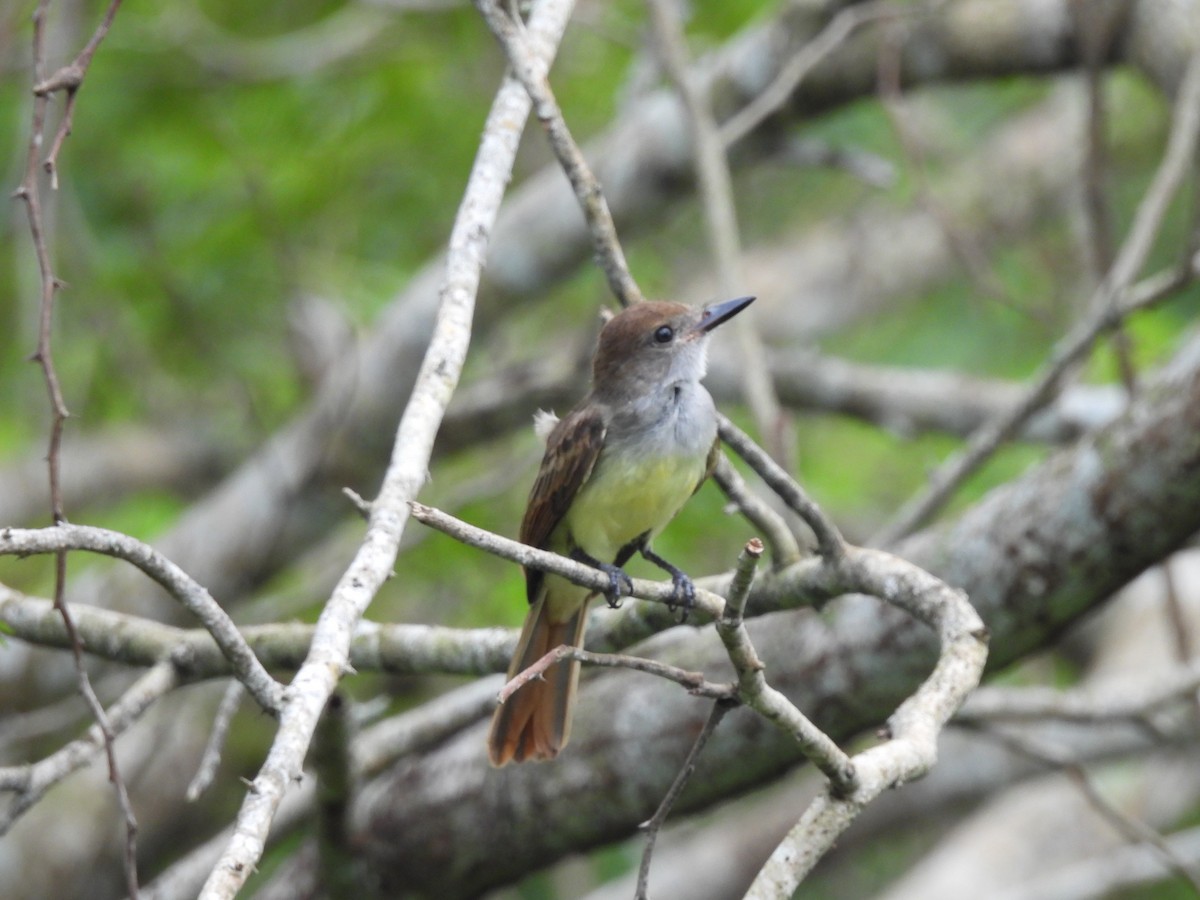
point(683, 595)
point(619, 585)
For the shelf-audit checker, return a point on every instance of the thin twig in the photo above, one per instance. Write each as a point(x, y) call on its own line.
point(1126, 825)
point(1096, 28)
point(776, 95)
point(70, 79)
point(1129, 699)
point(1181, 627)
point(695, 682)
point(439, 373)
point(829, 539)
point(654, 824)
point(423, 727)
point(720, 217)
point(30, 192)
point(30, 782)
point(708, 605)
point(1112, 302)
point(210, 759)
point(776, 534)
point(739, 589)
point(1132, 828)
point(1094, 36)
point(960, 243)
point(191, 595)
point(524, 66)
point(984, 442)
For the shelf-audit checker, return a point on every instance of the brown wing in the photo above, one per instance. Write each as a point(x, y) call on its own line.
point(571, 453)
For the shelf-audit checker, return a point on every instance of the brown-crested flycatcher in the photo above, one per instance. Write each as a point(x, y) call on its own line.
point(616, 470)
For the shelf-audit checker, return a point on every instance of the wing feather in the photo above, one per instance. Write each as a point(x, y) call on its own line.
point(572, 449)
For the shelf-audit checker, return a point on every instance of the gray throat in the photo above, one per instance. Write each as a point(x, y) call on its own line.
point(679, 420)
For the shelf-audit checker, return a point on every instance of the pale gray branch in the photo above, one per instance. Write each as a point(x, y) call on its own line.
point(29, 783)
point(265, 689)
point(1116, 298)
point(525, 66)
point(709, 606)
point(440, 370)
point(911, 748)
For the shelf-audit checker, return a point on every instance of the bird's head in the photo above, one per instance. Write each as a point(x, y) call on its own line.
point(657, 344)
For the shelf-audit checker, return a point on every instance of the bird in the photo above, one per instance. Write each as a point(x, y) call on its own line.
point(616, 470)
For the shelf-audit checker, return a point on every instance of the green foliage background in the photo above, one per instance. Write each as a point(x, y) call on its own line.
point(205, 188)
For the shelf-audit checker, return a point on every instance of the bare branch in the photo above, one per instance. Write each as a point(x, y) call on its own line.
point(693, 681)
point(784, 548)
point(264, 688)
point(1133, 829)
point(913, 727)
point(654, 825)
point(1115, 299)
point(720, 216)
point(210, 759)
point(755, 692)
point(1129, 827)
point(30, 782)
point(524, 66)
point(797, 67)
point(1122, 698)
point(708, 605)
point(439, 374)
point(983, 443)
point(829, 539)
point(376, 647)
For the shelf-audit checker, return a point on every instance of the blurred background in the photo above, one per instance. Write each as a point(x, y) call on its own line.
point(247, 195)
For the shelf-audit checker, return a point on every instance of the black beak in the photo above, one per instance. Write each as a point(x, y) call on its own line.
point(717, 313)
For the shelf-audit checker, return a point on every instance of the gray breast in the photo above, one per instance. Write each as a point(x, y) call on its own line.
point(680, 421)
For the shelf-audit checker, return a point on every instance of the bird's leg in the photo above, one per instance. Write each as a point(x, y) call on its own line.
point(685, 591)
point(619, 584)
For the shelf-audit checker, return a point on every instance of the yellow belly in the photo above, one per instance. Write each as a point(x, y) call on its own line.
point(623, 500)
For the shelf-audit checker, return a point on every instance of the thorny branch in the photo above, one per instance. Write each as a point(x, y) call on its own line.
point(70, 79)
point(29, 191)
point(29, 783)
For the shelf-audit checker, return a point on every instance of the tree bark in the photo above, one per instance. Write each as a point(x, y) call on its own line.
point(1033, 555)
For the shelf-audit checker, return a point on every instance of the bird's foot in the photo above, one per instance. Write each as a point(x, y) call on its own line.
point(684, 594)
point(619, 584)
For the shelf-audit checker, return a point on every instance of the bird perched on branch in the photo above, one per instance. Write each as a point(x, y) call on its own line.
point(616, 470)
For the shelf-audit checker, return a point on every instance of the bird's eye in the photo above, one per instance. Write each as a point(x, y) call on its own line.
point(664, 334)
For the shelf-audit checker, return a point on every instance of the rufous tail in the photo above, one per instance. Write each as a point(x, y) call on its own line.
point(535, 722)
